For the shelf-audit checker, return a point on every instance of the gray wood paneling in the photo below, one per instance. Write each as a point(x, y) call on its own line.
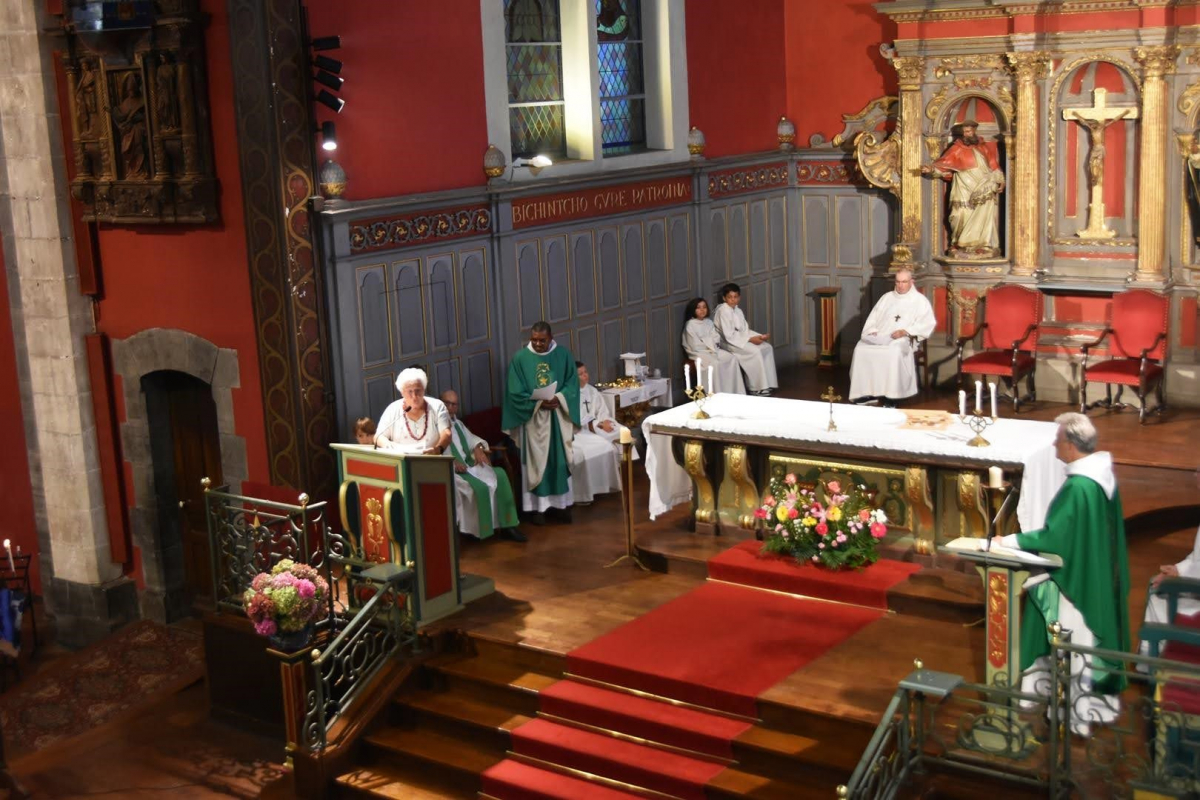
point(477, 393)
point(738, 245)
point(811, 284)
point(778, 231)
point(583, 272)
point(758, 236)
point(849, 231)
point(853, 307)
point(476, 306)
point(679, 250)
point(529, 283)
point(557, 300)
point(780, 319)
point(816, 230)
point(378, 392)
point(664, 340)
point(635, 334)
point(715, 263)
point(443, 310)
point(410, 308)
point(587, 345)
point(610, 269)
point(656, 258)
point(612, 344)
point(633, 261)
point(445, 375)
point(376, 329)
point(756, 306)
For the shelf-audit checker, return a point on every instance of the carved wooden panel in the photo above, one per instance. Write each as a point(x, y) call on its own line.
point(138, 103)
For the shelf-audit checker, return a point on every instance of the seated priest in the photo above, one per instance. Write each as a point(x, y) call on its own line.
point(883, 367)
point(1088, 594)
point(754, 354)
point(414, 423)
point(597, 463)
point(364, 430)
point(702, 344)
point(483, 496)
point(1189, 567)
point(540, 413)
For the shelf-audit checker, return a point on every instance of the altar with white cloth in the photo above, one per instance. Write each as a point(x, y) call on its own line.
point(918, 465)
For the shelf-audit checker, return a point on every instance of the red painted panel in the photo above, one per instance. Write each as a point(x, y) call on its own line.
point(108, 453)
point(415, 118)
point(357, 468)
point(1082, 308)
point(1114, 165)
point(436, 536)
point(1187, 322)
point(939, 308)
point(736, 57)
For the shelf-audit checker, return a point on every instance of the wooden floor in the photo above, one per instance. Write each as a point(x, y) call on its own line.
point(554, 594)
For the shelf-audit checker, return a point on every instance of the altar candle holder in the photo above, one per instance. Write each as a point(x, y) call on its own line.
point(978, 423)
point(698, 396)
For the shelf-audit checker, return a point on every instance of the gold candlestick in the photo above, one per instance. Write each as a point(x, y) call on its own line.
point(832, 398)
point(627, 496)
point(978, 423)
point(698, 396)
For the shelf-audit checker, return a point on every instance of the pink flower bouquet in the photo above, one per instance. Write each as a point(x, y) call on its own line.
point(286, 599)
point(836, 528)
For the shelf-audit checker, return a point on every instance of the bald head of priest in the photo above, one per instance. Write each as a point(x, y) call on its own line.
point(883, 368)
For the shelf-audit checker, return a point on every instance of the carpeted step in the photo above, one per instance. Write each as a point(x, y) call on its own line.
point(462, 713)
point(512, 780)
point(654, 720)
point(745, 565)
point(502, 683)
point(451, 756)
point(616, 759)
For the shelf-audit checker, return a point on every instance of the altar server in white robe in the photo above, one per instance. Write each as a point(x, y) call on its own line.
point(702, 343)
point(597, 461)
point(1189, 567)
point(883, 358)
point(749, 347)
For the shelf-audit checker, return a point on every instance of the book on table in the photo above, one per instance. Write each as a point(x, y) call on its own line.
point(972, 544)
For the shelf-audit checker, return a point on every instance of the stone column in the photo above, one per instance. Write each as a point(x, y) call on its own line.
point(1026, 238)
point(84, 589)
point(911, 71)
point(1152, 199)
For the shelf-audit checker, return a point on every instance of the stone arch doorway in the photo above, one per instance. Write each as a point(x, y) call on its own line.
point(153, 521)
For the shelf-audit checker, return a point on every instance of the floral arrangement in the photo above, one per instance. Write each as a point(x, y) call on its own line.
point(841, 533)
point(285, 599)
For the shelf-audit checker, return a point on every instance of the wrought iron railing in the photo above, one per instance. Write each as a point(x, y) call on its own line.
point(248, 535)
point(1084, 744)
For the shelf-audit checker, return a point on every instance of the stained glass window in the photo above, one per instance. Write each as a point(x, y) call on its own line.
point(533, 47)
point(622, 83)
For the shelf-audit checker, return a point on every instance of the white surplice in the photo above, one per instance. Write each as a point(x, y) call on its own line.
point(756, 360)
point(596, 466)
point(883, 366)
point(702, 342)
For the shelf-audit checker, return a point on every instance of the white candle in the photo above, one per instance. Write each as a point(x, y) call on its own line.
point(995, 477)
point(962, 402)
point(8, 549)
point(687, 376)
point(710, 383)
point(626, 435)
point(699, 373)
point(978, 396)
point(992, 386)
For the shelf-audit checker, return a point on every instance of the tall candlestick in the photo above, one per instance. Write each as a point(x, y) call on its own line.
point(992, 386)
point(710, 383)
point(699, 373)
point(962, 402)
point(687, 376)
point(978, 395)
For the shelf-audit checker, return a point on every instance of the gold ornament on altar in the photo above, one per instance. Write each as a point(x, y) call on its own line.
point(698, 396)
point(832, 398)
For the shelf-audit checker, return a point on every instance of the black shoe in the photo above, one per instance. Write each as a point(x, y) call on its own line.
point(890, 403)
point(560, 514)
point(536, 518)
point(514, 534)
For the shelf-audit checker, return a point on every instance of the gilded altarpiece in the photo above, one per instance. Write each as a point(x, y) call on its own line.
point(138, 104)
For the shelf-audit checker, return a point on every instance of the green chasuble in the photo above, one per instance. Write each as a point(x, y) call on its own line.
point(529, 371)
point(505, 505)
point(1087, 530)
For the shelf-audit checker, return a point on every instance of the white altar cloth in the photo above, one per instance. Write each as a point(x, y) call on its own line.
point(1015, 442)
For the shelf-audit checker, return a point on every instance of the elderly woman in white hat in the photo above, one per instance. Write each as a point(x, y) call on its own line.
point(414, 423)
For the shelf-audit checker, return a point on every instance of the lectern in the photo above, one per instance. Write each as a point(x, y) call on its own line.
point(400, 508)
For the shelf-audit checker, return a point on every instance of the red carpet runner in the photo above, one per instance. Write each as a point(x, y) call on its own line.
point(867, 587)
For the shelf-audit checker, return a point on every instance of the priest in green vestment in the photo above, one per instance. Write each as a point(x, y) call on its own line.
point(541, 410)
point(482, 494)
point(1085, 526)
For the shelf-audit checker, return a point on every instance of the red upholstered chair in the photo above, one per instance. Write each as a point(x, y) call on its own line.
point(1137, 345)
point(1009, 331)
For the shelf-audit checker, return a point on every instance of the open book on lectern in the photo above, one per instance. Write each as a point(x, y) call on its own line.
point(971, 544)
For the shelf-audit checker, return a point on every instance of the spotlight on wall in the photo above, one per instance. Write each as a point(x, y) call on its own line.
point(332, 81)
point(535, 164)
point(328, 136)
point(330, 100)
point(326, 43)
point(328, 64)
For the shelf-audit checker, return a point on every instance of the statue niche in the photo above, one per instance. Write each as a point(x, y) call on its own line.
point(139, 115)
point(972, 168)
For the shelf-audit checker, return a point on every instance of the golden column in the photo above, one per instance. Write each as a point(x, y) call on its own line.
point(1152, 199)
point(1028, 68)
point(911, 71)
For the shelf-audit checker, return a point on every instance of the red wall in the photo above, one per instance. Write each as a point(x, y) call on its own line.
point(414, 119)
point(15, 488)
point(833, 62)
point(195, 278)
point(735, 54)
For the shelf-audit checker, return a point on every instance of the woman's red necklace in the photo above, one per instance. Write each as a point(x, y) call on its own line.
point(424, 426)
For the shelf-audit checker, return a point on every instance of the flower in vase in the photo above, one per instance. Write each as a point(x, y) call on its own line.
point(793, 513)
point(834, 514)
point(864, 514)
point(878, 530)
point(781, 513)
point(790, 480)
point(760, 513)
point(769, 500)
point(822, 529)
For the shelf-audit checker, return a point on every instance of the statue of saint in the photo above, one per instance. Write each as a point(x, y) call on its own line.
point(129, 115)
point(166, 102)
point(973, 168)
point(85, 100)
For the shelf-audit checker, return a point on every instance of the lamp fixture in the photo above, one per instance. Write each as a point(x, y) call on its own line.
point(328, 136)
point(328, 64)
point(326, 43)
point(331, 100)
point(326, 79)
point(535, 164)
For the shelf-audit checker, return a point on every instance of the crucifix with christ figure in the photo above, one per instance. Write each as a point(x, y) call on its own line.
point(1096, 119)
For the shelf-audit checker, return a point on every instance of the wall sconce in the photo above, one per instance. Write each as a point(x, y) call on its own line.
point(331, 100)
point(535, 164)
point(328, 136)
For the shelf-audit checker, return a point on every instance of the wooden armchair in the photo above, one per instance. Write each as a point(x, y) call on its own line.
point(1137, 346)
point(1009, 333)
